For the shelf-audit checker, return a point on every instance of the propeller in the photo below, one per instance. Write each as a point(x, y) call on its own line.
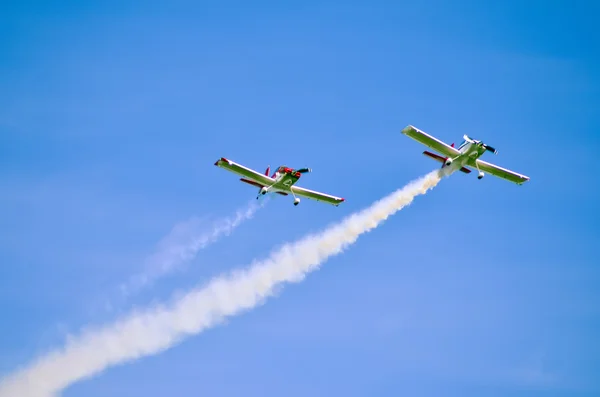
point(304, 170)
point(485, 146)
point(489, 148)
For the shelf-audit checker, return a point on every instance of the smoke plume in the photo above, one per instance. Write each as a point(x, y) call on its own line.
point(150, 332)
point(183, 243)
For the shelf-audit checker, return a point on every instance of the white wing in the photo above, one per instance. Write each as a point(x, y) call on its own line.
point(430, 141)
point(318, 196)
point(239, 169)
point(499, 171)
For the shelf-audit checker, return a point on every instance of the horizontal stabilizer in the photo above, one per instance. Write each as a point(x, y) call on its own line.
point(434, 156)
point(442, 159)
point(259, 185)
point(248, 181)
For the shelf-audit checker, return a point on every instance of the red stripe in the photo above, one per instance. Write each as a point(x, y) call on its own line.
point(434, 156)
point(251, 182)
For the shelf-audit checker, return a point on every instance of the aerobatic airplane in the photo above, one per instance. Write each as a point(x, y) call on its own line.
point(281, 182)
point(467, 155)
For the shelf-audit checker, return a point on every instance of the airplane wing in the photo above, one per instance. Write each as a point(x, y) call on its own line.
point(430, 141)
point(499, 171)
point(239, 169)
point(318, 196)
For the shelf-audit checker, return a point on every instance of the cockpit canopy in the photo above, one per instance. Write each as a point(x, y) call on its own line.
point(463, 144)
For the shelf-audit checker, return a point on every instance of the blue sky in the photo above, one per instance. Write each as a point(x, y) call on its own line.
point(112, 115)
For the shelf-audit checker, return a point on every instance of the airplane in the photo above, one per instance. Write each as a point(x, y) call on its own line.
point(466, 155)
point(281, 182)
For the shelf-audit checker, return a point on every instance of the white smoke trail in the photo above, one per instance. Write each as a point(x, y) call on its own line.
point(155, 330)
point(182, 245)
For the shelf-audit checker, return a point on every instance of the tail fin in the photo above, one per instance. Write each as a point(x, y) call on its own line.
point(267, 171)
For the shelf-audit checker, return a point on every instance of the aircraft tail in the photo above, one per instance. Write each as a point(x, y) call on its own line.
point(443, 160)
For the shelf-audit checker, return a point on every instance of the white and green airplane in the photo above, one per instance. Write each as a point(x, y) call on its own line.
point(466, 155)
point(281, 182)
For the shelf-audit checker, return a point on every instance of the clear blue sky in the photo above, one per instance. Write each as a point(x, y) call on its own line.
point(112, 115)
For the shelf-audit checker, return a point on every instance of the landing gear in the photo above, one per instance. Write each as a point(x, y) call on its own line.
point(263, 190)
point(481, 174)
point(296, 199)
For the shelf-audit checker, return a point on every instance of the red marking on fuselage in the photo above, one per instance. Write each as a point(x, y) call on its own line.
point(286, 171)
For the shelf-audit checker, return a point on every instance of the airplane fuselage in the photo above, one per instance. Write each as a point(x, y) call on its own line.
point(285, 178)
point(468, 151)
